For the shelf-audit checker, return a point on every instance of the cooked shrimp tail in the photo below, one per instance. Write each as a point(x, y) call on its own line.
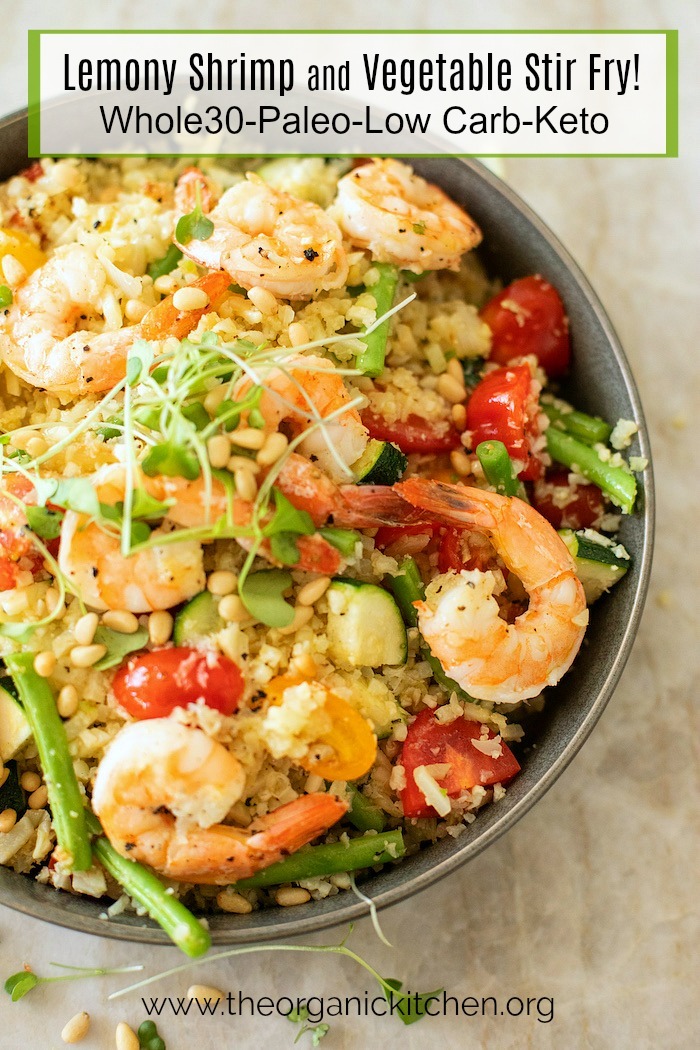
point(162, 791)
point(459, 619)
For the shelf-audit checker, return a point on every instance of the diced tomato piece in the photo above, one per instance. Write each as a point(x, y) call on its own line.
point(152, 684)
point(33, 172)
point(430, 743)
point(451, 554)
point(528, 317)
point(503, 408)
point(580, 508)
point(413, 434)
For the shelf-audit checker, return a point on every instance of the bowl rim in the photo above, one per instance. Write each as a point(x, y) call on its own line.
point(44, 902)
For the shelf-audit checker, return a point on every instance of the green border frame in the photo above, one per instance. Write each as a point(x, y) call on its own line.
point(34, 79)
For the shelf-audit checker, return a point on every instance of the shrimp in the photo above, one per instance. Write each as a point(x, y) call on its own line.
point(162, 576)
point(304, 390)
point(41, 339)
point(490, 658)
point(162, 791)
point(402, 219)
point(267, 239)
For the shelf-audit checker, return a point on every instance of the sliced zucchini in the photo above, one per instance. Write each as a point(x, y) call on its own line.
point(365, 627)
point(380, 464)
point(14, 727)
point(598, 566)
point(198, 619)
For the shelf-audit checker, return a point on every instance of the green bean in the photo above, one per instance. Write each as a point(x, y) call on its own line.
point(616, 482)
point(160, 267)
point(498, 468)
point(371, 360)
point(65, 800)
point(407, 589)
point(363, 814)
point(143, 886)
point(313, 862)
point(590, 429)
point(344, 540)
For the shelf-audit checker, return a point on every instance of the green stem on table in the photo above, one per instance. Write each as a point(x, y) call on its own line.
point(371, 360)
point(65, 799)
point(314, 862)
point(616, 482)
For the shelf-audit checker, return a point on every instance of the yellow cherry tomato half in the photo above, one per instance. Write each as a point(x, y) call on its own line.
point(350, 737)
point(22, 247)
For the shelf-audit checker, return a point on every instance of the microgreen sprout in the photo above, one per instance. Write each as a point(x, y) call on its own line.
point(194, 226)
point(19, 984)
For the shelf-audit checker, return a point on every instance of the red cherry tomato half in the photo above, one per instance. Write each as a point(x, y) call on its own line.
point(503, 408)
point(568, 506)
point(151, 685)
point(430, 742)
point(413, 434)
point(528, 317)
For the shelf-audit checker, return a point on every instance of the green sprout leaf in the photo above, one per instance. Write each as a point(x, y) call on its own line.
point(288, 519)
point(419, 228)
point(194, 226)
point(20, 983)
point(118, 645)
point(261, 593)
point(285, 548)
point(344, 540)
point(44, 522)
point(5, 297)
point(196, 413)
point(410, 1008)
point(173, 460)
point(161, 267)
point(76, 494)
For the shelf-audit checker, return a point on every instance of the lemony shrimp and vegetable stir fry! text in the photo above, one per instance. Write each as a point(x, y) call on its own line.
point(294, 529)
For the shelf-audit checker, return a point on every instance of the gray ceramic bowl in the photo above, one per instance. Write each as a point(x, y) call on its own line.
point(516, 243)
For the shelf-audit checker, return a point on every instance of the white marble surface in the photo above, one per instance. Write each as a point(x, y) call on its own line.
point(592, 898)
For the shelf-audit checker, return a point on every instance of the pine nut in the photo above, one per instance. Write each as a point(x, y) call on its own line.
point(248, 437)
point(45, 663)
point(232, 609)
point(242, 463)
point(310, 593)
point(452, 390)
point(298, 333)
point(214, 398)
point(459, 416)
point(205, 993)
point(29, 781)
point(313, 783)
point(264, 300)
point(190, 299)
point(289, 896)
point(245, 483)
point(51, 598)
point(13, 271)
point(302, 615)
point(77, 1028)
point(8, 819)
point(218, 451)
point(126, 1038)
point(461, 464)
point(87, 655)
point(120, 620)
point(36, 446)
point(84, 630)
point(229, 900)
point(135, 310)
point(67, 702)
point(274, 447)
point(38, 798)
point(454, 369)
point(165, 284)
point(160, 627)
point(222, 582)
